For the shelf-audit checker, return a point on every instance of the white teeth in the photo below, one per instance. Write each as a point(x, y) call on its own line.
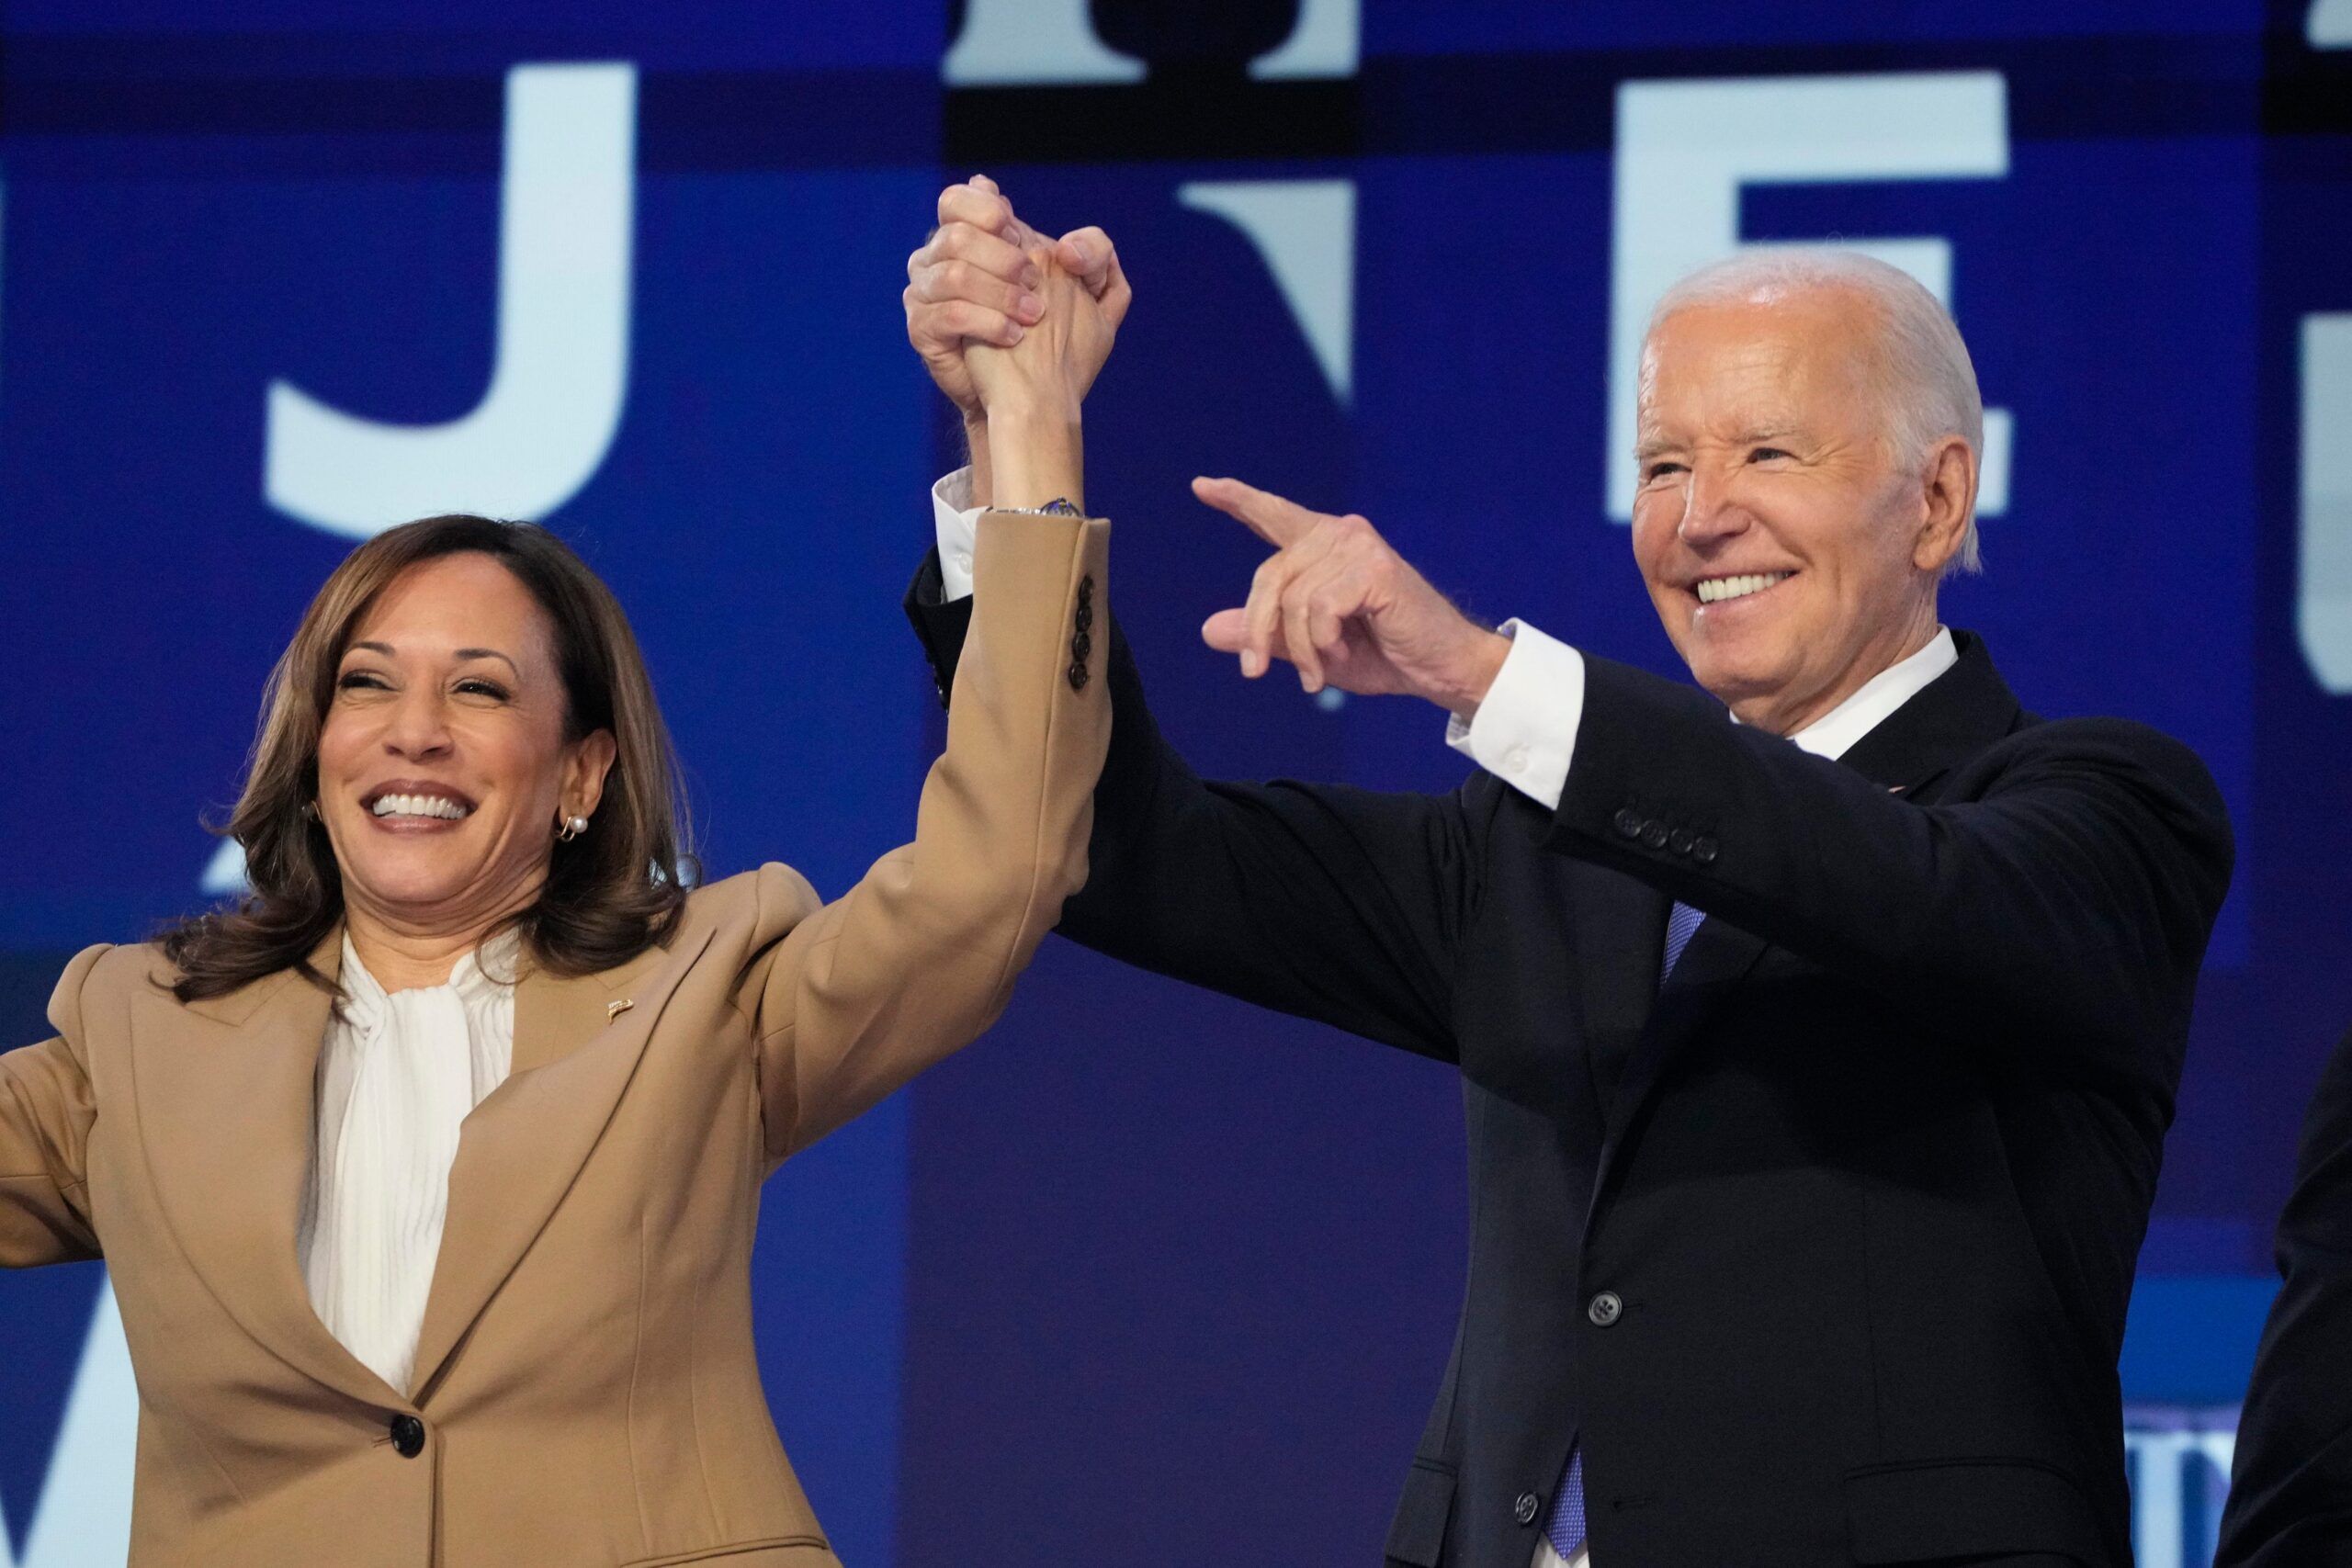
point(1715, 590)
point(420, 805)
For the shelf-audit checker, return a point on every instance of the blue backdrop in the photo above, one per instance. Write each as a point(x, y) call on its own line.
point(1146, 1277)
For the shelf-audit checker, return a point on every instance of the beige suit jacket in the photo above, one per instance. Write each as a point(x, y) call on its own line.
point(585, 1385)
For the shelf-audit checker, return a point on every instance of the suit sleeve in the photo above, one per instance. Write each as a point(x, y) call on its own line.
point(1340, 905)
point(2076, 895)
point(920, 957)
point(47, 1109)
point(2291, 1489)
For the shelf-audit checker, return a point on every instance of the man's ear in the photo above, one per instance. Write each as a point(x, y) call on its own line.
point(1947, 503)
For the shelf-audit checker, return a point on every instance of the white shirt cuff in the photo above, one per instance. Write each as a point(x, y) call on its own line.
point(958, 524)
point(1525, 731)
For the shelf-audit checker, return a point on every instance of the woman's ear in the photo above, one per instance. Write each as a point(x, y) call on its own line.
point(586, 762)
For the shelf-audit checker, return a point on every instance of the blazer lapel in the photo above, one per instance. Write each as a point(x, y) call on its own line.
point(1960, 712)
point(1716, 962)
point(227, 1112)
point(577, 1041)
point(1619, 926)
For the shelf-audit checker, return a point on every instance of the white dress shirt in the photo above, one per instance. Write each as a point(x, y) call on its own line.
point(957, 522)
point(398, 1071)
point(1525, 731)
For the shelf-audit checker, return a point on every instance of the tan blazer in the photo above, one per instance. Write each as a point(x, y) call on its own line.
point(585, 1390)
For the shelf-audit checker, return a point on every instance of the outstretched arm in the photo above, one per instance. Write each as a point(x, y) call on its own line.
point(47, 1109)
point(2080, 888)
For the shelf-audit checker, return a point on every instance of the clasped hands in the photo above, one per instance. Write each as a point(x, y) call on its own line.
point(1008, 319)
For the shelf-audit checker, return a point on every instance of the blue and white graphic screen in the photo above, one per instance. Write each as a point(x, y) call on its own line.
point(1145, 1277)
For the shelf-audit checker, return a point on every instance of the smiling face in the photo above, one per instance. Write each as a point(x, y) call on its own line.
point(444, 761)
point(1791, 550)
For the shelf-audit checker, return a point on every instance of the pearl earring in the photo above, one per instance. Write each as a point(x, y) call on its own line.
point(572, 827)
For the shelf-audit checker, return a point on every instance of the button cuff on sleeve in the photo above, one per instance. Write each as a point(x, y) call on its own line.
point(957, 523)
point(1525, 731)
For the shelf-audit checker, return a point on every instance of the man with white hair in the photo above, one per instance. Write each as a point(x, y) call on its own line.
point(1817, 1057)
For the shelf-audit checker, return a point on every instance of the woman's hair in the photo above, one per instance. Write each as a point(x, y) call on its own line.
point(610, 893)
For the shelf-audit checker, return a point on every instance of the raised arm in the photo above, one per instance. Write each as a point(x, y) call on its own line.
point(2078, 891)
point(2076, 887)
point(921, 955)
point(1334, 904)
point(47, 1109)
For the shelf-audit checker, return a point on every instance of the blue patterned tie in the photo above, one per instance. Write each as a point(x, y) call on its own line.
point(1564, 1529)
point(1680, 927)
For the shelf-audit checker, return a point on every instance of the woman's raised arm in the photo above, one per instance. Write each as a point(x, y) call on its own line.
point(862, 994)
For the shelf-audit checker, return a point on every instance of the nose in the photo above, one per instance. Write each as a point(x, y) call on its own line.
point(419, 727)
point(1710, 509)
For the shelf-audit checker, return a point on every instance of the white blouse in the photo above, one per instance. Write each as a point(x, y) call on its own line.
point(398, 1074)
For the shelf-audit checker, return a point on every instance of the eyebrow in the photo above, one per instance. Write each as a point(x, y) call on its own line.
point(1755, 435)
point(463, 654)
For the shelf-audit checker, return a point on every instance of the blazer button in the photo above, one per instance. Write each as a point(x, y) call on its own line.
point(1078, 677)
point(1524, 1509)
point(1606, 1309)
point(1703, 852)
point(1681, 841)
point(1654, 834)
point(408, 1436)
point(1627, 823)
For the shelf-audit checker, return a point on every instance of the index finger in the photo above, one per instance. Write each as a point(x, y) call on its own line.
point(981, 209)
point(1279, 522)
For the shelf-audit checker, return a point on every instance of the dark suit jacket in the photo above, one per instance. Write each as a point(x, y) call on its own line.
point(1823, 1250)
point(2290, 1494)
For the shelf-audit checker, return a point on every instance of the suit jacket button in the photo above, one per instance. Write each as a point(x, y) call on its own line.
point(408, 1436)
point(1078, 677)
point(1628, 824)
point(1681, 841)
point(1703, 852)
point(1081, 645)
point(1525, 1509)
point(1654, 834)
point(1606, 1309)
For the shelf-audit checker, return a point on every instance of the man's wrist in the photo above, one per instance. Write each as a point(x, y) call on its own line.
point(976, 452)
point(1473, 676)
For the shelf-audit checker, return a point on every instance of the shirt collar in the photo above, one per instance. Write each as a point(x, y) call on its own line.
point(486, 972)
point(1835, 732)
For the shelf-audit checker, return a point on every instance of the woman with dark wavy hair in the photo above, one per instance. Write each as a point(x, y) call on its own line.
point(426, 1176)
